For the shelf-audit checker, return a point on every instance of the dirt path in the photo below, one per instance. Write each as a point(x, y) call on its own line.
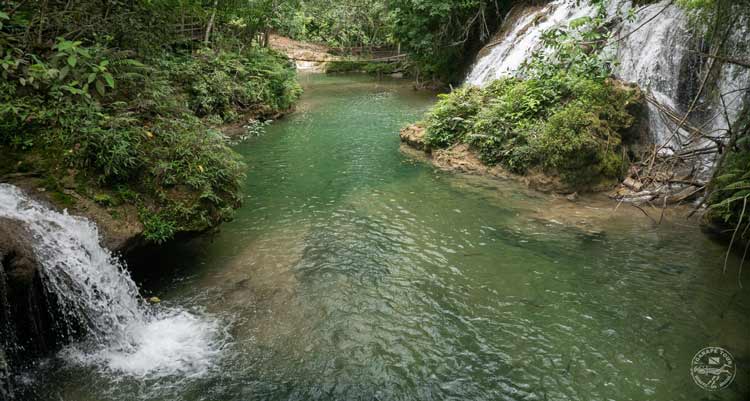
point(307, 56)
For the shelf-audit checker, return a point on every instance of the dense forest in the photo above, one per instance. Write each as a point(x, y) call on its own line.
point(121, 99)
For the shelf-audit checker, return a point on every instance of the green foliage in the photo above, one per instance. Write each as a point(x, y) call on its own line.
point(453, 116)
point(372, 68)
point(340, 66)
point(128, 111)
point(566, 125)
point(731, 191)
point(576, 48)
point(343, 23)
point(563, 116)
point(157, 228)
point(440, 34)
point(223, 83)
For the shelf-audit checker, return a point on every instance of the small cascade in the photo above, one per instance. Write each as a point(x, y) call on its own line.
point(521, 36)
point(660, 51)
point(663, 58)
point(100, 302)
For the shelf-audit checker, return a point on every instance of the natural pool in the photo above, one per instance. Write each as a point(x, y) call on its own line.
point(355, 272)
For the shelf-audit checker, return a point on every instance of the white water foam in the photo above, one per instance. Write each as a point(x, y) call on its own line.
point(123, 334)
point(523, 38)
point(173, 343)
point(652, 51)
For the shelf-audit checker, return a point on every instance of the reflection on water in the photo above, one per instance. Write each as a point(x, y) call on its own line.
point(354, 273)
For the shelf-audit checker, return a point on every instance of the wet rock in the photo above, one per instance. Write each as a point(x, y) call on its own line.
point(119, 226)
point(6, 388)
point(572, 197)
point(413, 135)
point(154, 300)
point(29, 323)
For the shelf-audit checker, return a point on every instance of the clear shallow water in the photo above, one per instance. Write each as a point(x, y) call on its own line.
point(354, 272)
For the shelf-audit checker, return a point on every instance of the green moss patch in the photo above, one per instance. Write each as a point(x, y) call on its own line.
point(565, 125)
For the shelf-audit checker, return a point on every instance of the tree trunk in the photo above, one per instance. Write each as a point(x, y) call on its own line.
point(210, 25)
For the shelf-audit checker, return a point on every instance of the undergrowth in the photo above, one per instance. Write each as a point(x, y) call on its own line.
point(565, 125)
point(729, 201)
point(560, 114)
point(142, 125)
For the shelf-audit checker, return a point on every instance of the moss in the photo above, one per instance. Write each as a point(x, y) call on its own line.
point(103, 199)
point(566, 125)
point(62, 199)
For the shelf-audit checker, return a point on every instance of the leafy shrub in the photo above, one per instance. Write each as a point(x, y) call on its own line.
point(371, 68)
point(453, 116)
point(156, 228)
point(136, 126)
point(731, 191)
point(565, 124)
point(223, 83)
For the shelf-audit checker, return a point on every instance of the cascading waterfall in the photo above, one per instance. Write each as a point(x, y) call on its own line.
point(522, 38)
point(658, 51)
point(95, 293)
point(662, 58)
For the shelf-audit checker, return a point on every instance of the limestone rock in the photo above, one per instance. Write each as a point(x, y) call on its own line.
point(413, 135)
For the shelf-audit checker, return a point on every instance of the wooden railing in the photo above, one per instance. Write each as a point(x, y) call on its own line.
point(190, 28)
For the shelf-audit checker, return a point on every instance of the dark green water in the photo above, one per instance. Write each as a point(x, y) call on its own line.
point(354, 272)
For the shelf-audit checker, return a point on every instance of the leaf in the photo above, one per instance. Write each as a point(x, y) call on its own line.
point(100, 87)
point(72, 60)
point(91, 77)
point(64, 72)
point(740, 195)
point(110, 80)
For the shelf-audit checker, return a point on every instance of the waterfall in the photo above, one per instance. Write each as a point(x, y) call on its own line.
point(658, 50)
point(661, 57)
point(96, 295)
point(521, 36)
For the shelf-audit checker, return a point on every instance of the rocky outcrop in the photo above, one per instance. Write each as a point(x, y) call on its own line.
point(463, 159)
point(6, 388)
point(27, 312)
point(119, 225)
point(413, 135)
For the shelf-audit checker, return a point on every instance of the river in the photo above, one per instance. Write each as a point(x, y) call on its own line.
point(356, 272)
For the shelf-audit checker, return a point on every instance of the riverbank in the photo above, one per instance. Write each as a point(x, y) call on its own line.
point(165, 169)
point(344, 243)
point(463, 158)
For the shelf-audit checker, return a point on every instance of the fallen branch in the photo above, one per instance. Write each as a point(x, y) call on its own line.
point(725, 59)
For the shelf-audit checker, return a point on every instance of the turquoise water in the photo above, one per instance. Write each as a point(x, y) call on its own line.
point(357, 272)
